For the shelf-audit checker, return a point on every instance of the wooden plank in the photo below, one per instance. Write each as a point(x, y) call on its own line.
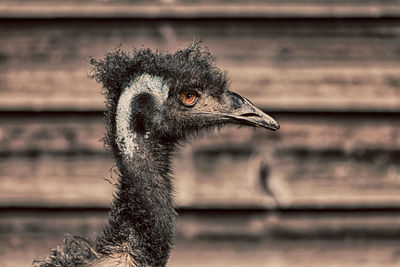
point(285, 254)
point(325, 161)
point(56, 181)
point(69, 182)
point(262, 43)
point(348, 253)
point(198, 9)
point(281, 65)
point(257, 238)
point(80, 133)
point(207, 224)
point(328, 89)
point(312, 166)
point(54, 133)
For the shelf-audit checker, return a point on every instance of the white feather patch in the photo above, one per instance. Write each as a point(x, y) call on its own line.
point(154, 85)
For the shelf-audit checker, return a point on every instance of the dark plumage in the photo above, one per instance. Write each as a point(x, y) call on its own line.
point(154, 101)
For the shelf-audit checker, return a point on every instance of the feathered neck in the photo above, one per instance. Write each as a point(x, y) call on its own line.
point(141, 222)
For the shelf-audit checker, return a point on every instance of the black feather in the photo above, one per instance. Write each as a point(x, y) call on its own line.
point(141, 224)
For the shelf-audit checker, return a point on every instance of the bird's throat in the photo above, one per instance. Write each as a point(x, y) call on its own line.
point(142, 213)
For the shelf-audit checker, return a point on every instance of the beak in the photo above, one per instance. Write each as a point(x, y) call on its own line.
point(244, 112)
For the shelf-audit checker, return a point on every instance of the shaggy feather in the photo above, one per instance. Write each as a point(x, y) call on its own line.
point(75, 252)
point(142, 213)
point(142, 137)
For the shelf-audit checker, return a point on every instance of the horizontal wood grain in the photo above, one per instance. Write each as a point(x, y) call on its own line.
point(81, 133)
point(20, 250)
point(56, 181)
point(81, 181)
point(209, 224)
point(198, 9)
point(314, 162)
point(288, 89)
point(29, 234)
point(280, 65)
point(322, 191)
point(54, 133)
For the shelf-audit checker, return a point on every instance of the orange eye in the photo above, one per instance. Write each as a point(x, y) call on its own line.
point(188, 97)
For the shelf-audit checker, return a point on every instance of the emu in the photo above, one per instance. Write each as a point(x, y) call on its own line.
point(154, 102)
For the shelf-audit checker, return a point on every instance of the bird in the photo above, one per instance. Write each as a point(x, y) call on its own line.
point(155, 102)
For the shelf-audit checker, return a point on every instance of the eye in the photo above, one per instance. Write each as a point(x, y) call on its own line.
point(188, 97)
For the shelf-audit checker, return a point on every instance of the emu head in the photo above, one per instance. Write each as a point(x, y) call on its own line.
point(163, 98)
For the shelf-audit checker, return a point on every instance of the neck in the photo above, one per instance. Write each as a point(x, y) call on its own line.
point(141, 223)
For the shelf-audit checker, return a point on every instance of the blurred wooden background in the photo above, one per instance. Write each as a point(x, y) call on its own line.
point(322, 191)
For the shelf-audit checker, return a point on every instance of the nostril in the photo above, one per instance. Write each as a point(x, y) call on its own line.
point(250, 115)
